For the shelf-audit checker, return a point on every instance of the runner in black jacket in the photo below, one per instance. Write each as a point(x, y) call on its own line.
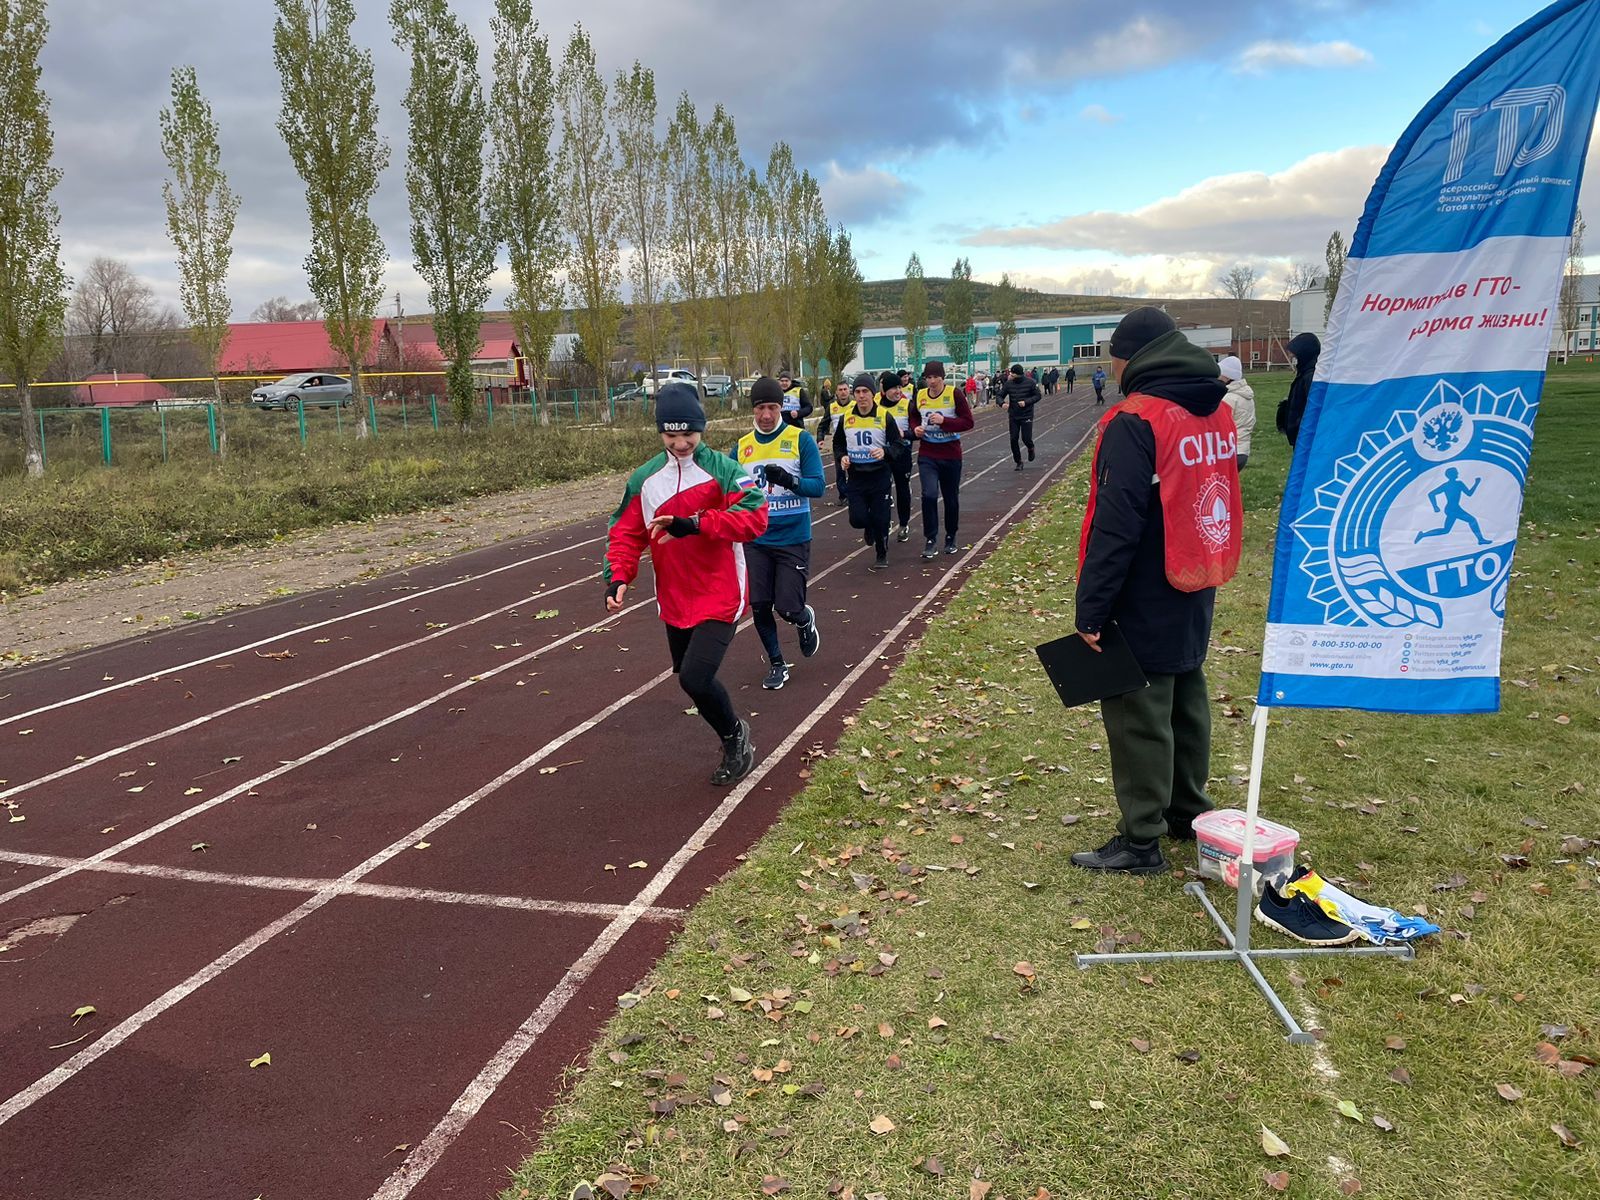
point(1021, 394)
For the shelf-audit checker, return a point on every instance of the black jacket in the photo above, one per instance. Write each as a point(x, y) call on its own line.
point(1306, 348)
point(1124, 576)
point(1021, 394)
point(897, 451)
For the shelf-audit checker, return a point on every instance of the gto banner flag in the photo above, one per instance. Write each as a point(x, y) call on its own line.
point(1400, 517)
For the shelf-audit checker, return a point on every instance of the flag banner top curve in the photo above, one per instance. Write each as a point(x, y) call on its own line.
point(1400, 517)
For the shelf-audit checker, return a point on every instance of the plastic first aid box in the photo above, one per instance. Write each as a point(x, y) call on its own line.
point(1220, 837)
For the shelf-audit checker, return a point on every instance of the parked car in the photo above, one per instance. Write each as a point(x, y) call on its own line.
point(672, 375)
point(719, 385)
point(314, 390)
point(747, 383)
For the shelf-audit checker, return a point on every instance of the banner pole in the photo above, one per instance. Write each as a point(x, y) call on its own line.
point(1247, 853)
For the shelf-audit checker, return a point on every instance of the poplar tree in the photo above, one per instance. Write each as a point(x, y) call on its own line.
point(588, 196)
point(521, 188)
point(689, 229)
point(847, 301)
point(200, 212)
point(957, 322)
point(1334, 256)
point(33, 286)
point(728, 203)
point(640, 166)
point(780, 189)
point(1004, 303)
point(452, 235)
point(763, 318)
point(329, 122)
point(914, 313)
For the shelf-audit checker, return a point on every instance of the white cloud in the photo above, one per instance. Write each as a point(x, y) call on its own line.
point(1285, 214)
point(1100, 115)
point(862, 196)
point(1176, 277)
point(1260, 57)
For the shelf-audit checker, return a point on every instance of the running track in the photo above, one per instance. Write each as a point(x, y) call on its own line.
point(420, 996)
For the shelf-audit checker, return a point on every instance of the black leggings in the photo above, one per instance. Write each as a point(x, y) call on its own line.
point(868, 494)
point(902, 493)
point(1022, 427)
point(696, 657)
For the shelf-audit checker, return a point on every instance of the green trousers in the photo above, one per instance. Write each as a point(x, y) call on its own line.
point(1160, 739)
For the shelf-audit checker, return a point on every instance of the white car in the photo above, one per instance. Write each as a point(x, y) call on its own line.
point(672, 375)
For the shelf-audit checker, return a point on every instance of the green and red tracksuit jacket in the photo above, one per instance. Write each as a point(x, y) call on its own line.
point(701, 577)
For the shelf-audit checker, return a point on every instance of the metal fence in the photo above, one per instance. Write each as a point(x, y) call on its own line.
point(167, 431)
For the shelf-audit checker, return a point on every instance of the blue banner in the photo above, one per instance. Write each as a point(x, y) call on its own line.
point(1399, 521)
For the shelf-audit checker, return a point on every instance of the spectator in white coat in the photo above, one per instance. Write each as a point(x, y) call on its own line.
point(1242, 400)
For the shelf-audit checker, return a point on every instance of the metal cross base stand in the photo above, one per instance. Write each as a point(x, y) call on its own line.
point(1245, 957)
point(1238, 938)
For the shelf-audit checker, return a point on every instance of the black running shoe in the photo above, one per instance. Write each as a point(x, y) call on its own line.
point(1301, 918)
point(1030, 453)
point(950, 545)
point(738, 756)
point(810, 639)
point(931, 549)
point(1124, 856)
point(1018, 467)
point(777, 676)
point(881, 563)
point(904, 534)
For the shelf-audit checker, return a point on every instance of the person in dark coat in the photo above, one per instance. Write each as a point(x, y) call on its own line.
point(1021, 395)
point(1306, 348)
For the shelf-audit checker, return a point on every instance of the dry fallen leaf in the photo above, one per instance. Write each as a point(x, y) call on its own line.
point(86, 1010)
point(1273, 1145)
point(1565, 1134)
point(1348, 1109)
point(1508, 1093)
point(881, 1125)
point(261, 1060)
point(1278, 1181)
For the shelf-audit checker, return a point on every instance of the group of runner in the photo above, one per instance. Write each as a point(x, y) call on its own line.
point(726, 529)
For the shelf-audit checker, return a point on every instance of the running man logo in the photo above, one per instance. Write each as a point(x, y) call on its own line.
point(1419, 525)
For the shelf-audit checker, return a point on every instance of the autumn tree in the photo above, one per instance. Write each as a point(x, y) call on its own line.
point(728, 203)
point(689, 260)
point(1572, 282)
point(643, 204)
point(33, 285)
point(846, 301)
point(958, 311)
point(1003, 301)
point(453, 238)
point(329, 122)
point(201, 208)
point(1334, 256)
point(589, 202)
point(521, 187)
point(914, 313)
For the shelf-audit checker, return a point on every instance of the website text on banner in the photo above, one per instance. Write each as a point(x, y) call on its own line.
point(1400, 517)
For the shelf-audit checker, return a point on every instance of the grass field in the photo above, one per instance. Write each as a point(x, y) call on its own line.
point(883, 1000)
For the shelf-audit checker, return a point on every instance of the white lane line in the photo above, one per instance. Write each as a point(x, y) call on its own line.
point(632, 914)
point(196, 722)
point(288, 633)
point(428, 1152)
point(377, 891)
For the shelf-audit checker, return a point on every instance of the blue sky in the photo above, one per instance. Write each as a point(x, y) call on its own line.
point(1142, 146)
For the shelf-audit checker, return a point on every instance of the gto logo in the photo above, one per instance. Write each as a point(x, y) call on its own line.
point(1545, 106)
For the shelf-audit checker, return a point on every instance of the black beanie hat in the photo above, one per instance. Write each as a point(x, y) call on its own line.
point(766, 390)
point(933, 368)
point(678, 409)
point(888, 380)
point(865, 380)
point(1138, 329)
point(1016, 368)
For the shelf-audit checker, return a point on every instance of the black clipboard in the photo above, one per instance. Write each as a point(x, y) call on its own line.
point(1081, 676)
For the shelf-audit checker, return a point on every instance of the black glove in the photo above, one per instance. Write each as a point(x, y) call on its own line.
point(684, 526)
point(614, 589)
point(781, 477)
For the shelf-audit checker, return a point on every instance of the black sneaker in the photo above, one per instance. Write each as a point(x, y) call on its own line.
point(1301, 918)
point(882, 561)
point(810, 639)
point(1030, 453)
point(904, 534)
point(950, 545)
point(738, 756)
point(1180, 831)
point(1125, 856)
point(931, 549)
point(1018, 467)
point(777, 676)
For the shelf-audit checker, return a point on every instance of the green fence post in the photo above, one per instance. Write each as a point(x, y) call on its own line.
point(372, 413)
point(301, 405)
point(488, 404)
point(211, 423)
point(577, 414)
point(105, 435)
point(338, 420)
point(405, 421)
point(611, 399)
point(44, 460)
point(433, 407)
point(161, 414)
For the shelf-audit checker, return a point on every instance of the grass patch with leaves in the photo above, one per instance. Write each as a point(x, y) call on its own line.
point(883, 1000)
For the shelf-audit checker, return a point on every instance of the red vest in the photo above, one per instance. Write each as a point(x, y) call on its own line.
point(1197, 466)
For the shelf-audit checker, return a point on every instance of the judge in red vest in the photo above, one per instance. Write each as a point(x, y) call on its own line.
point(1161, 533)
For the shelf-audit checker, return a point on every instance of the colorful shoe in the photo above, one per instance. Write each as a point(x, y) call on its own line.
point(777, 676)
point(1124, 856)
point(1297, 917)
point(810, 639)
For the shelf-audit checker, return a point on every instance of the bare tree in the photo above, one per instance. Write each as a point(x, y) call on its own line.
point(1238, 284)
point(278, 309)
point(110, 307)
point(1572, 283)
point(1299, 277)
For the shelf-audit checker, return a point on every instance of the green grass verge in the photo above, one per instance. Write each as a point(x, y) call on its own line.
point(894, 987)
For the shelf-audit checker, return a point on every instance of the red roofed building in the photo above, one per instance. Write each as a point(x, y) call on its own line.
point(287, 347)
point(498, 356)
point(120, 391)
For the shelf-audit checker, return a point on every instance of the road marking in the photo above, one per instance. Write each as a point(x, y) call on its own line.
point(377, 891)
point(294, 632)
point(427, 1153)
point(630, 915)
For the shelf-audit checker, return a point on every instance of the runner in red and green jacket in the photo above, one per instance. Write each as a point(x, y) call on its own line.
point(692, 507)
